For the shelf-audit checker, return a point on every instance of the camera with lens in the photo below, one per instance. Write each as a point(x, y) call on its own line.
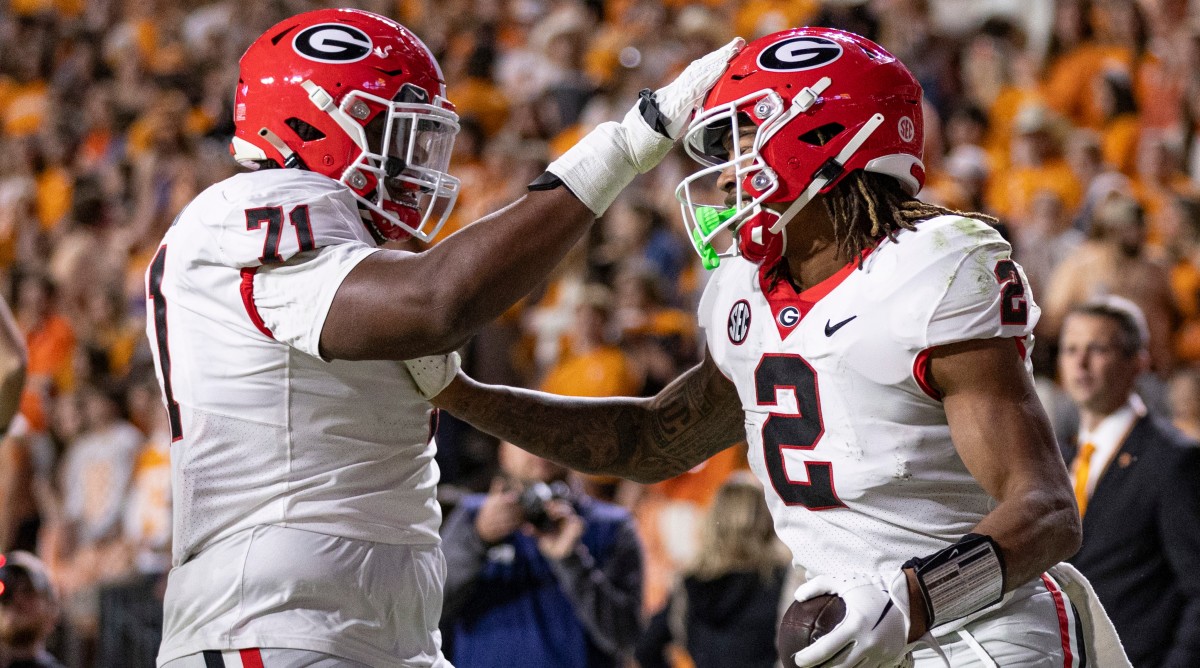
point(533, 502)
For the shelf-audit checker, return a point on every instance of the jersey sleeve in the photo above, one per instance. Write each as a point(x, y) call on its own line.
point(963, 285)
point(293, 298)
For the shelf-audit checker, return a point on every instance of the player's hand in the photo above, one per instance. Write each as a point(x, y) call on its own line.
point(500, 514)
point(560, 542)
point(668, 110)
point(605, 160)
point(873, 633)
point(432, 374)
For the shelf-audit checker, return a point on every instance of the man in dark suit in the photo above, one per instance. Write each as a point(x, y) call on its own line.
point(1137, 481)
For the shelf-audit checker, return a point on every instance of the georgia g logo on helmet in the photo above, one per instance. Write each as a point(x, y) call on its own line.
point(799, 53)
point(332, 43)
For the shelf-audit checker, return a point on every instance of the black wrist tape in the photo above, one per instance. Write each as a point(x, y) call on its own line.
point(648, 106)
point(547, 181)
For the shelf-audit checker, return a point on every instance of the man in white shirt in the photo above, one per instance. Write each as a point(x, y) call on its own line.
point(1137, 482)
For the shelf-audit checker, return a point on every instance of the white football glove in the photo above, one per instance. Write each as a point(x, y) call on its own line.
point(874, 632)
point(603, 162)
point(432, 374)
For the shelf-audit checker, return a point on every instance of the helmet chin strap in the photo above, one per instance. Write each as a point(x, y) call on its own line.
point(829, 171)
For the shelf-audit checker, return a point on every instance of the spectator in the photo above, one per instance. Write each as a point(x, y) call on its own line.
point(51, 344)
point(592, 366)
point(520, 591)
point(1136, 484)
point(28, 612)
point(1184, 395)
point(1114, 95)
point(1113, 261)
point(724, 610)
point(1037, 164)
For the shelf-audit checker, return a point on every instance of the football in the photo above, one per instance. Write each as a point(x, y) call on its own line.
point(806, 621)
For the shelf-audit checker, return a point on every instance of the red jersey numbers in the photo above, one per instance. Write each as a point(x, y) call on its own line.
point(1014, 307)
point(801, 431)
point(273, 217)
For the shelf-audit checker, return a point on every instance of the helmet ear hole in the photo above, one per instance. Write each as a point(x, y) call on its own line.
point(822, 135)
point(304, 130)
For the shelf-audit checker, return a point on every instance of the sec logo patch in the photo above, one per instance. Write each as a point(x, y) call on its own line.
point(738, 326)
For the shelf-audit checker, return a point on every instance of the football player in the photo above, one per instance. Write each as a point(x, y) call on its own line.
point(303, 473)
point(872, 350)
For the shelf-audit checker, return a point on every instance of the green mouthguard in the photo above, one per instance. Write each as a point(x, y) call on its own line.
point(709, 219)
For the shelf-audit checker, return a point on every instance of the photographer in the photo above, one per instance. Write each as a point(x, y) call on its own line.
point(540, 574)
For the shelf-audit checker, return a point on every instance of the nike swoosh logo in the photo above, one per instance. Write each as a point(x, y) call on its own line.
point(884, 613)
point(830, 329)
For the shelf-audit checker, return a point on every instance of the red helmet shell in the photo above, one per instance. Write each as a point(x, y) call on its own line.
point(340, 50)
point(865, 80)
point(310, 86)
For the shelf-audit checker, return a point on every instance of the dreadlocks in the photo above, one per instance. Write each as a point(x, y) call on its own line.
point(866, 207)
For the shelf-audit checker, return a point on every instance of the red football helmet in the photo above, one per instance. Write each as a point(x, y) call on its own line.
point(821, 103)
point(357, 97)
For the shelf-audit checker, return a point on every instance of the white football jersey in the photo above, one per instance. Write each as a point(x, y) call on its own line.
point(265, 432)
point(849, 440)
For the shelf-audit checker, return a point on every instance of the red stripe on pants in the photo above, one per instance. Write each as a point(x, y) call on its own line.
point(251, 658)
point(1064, 630)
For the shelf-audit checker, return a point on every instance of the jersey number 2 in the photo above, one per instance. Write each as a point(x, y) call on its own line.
point(801, 431)
point(1014, 307)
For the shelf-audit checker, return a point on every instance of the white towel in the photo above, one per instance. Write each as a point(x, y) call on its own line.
point(1102, 645)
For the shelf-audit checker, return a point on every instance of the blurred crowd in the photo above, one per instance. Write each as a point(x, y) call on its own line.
point(1075, 122)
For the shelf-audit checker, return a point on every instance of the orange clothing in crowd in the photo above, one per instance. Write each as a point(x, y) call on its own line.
point(483, 100)
point(1069, 79)
point(1119, 141)
point(1154, 198)
point(756, 18)
point(1011, 196)
point(1002, 117)
point(603, 372)
point(53, 203)
point(67, 8)
point(1185, 285)
point(51, 348)
point(24, 108)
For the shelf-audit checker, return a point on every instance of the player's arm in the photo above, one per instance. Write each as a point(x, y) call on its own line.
point(397, 305)
point(641, 439)
point(1003, 436)
point(400, 306)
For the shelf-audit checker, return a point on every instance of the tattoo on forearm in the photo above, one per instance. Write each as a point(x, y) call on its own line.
point(685, 424)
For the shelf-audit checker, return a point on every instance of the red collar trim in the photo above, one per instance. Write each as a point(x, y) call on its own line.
point(788, 307)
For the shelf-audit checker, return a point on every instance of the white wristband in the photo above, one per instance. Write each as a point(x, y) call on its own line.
point(600, 165)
